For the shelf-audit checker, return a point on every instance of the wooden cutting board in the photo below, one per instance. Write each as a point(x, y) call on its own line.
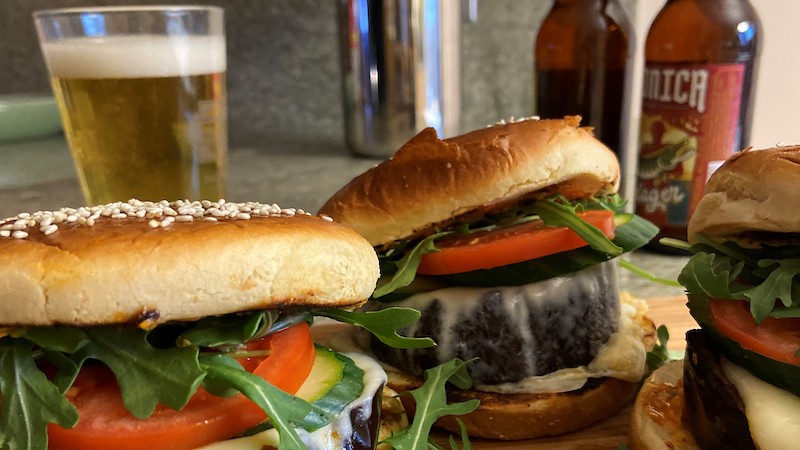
point(609, 434)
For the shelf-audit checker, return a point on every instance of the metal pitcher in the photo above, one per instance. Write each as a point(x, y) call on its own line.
point(400, 71)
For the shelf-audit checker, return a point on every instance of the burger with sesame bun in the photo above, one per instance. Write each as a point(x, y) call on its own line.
point(739, 384)
point(505, 240)
point(182, 325)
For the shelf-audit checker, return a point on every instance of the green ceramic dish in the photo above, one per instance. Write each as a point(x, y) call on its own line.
point(28, 116)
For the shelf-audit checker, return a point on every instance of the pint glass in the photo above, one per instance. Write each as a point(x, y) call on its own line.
point(141, 93)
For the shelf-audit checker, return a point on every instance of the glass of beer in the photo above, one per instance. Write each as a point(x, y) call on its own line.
point(141, 92)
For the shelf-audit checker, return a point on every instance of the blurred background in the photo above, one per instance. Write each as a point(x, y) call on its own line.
point(284, 77)
point(284, 81)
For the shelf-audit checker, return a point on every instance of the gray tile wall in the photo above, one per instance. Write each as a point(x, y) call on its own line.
point(283, 66)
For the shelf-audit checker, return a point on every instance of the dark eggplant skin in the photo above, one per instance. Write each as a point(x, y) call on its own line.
point(512, 333)
point(366, 425)
point(714, 410)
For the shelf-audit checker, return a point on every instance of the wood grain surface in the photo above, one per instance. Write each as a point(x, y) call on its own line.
point(610, 433)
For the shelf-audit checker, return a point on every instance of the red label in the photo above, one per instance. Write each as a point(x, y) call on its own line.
point(690, 116)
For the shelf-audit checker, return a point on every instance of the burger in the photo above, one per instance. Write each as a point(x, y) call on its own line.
point(505, 239)
point(177, 325)
point(738, 385)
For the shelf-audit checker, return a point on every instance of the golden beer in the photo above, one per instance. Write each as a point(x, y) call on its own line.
point(144, 117)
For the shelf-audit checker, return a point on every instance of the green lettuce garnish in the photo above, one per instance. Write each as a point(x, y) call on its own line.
point(758, 276)
point(399, 264)
point(165, 366)
point(431, 405)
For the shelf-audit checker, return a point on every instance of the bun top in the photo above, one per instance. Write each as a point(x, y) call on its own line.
point(432, 182)
point(136, 261)
point(753, 191)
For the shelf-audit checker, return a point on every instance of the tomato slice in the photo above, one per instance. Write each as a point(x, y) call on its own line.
point(518, 243)
point(105, 423)
point(777, 339)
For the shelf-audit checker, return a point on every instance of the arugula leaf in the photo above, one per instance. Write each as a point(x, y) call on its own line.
point(723, 274)
point(777, 285)
point(147, 376)
point(284, 410)
point(465, 442)
point(227, 330)
point(710, 274)
point(431, 401)
point(59, 339)
point(407, 265)
point(565, 215)
point(383, 324)
point(659, 355)
point(67, 370)
point(647, 275)
point(30, 400)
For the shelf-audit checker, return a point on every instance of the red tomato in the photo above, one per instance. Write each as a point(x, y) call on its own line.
point(777, 339)
point(524, 242)
point(105, 423)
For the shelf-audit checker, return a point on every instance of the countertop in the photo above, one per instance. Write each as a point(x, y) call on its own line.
point(38, 175)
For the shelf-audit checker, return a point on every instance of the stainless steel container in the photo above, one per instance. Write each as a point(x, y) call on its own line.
point(400, 71)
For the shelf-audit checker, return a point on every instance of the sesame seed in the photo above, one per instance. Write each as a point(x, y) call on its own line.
point(158, 215)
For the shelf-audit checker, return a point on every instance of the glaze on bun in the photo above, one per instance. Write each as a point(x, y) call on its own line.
point(432, 182)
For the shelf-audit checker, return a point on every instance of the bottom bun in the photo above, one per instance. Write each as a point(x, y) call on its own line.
point(526, 416)
point(656, 419)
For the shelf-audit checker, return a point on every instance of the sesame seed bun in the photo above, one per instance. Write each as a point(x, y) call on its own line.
point(753, 191)
point(122, 270)
point(431, 182)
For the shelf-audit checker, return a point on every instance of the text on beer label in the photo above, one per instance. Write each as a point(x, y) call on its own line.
point(684, 86)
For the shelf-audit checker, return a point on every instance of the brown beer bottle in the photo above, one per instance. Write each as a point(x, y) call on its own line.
point(582, 66)
point(697, 101)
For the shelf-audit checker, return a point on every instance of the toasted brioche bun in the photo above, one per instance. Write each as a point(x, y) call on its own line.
point(124, 270)
point(753, 191)
point(656, 417)
point(431, 182)
point(526, 416)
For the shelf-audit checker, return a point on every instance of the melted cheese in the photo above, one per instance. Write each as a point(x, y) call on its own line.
point(622, 357)
point(773, 413)
point(329, 437)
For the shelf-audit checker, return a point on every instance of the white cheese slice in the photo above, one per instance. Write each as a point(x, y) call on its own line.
point(773, 413)
point(622, 357)
point(329, 437)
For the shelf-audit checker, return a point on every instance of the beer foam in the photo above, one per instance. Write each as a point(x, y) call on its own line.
point(145, 56)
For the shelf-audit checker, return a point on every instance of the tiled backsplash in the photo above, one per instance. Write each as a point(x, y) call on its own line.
point(283, 63)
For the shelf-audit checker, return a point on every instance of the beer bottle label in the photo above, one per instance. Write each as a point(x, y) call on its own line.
point(689, 126)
